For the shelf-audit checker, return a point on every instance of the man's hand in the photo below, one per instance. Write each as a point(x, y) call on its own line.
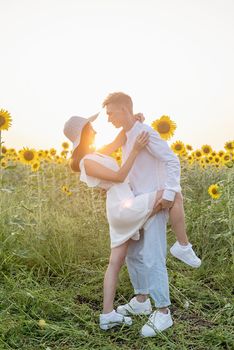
point(157, 207)
point(165, 204)
point(140, 117)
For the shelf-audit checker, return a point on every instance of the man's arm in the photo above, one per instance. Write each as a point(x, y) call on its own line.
point(161, 150)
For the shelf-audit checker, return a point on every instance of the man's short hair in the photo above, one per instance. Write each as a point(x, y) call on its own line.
point(119, 98)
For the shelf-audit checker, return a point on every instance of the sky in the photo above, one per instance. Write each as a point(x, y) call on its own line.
point(61, 58)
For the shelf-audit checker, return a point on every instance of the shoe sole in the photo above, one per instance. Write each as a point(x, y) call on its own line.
point(158, 331)
point(179, 258)
point(107, 327)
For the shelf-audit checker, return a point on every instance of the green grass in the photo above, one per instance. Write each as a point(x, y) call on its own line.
point(54, 251)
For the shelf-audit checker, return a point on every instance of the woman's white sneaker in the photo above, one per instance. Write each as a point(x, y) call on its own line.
point(157, 322)
point(112, 319)
point(185, 254)
point(135, 307)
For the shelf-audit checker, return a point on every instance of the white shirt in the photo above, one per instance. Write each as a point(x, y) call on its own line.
point(156, 166)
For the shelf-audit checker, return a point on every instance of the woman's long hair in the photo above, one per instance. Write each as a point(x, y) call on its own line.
point(80, 151)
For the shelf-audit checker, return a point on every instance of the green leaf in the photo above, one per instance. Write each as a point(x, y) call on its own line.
point(11, 167)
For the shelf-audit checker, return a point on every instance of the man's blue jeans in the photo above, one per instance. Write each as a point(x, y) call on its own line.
point(146, 261)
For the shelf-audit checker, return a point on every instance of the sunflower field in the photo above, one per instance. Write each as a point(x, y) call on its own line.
point(54, 249)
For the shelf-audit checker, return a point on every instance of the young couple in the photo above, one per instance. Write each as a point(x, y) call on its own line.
point(142, 195)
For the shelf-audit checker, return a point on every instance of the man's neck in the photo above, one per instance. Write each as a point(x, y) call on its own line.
point(129, 124)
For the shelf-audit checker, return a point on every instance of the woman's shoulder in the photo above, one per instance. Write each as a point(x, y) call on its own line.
point(91, 156)
point(100, 158)
point(89, 180)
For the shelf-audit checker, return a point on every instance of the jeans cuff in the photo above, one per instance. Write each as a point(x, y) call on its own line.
point(160, 305)
point(141, 291)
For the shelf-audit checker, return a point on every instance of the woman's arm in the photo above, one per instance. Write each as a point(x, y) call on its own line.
point(120, 139)
point(118, 142)
point(99, 171)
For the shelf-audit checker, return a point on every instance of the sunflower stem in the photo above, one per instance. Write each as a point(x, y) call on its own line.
point(230, 218)
point(1, 158)
point(0, 143)
point(39, 203)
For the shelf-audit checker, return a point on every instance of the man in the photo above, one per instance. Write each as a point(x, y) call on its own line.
point(155, 168)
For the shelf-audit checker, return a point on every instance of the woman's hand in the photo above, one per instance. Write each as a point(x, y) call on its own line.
point(140, 117)
point(141, 141)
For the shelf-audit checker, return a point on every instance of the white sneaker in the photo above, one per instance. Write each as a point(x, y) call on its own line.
point(157, 322)
point(134, 307)
point(112, 319)
point(187, 254)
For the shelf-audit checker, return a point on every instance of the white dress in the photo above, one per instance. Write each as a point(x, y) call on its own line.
point(126, 213)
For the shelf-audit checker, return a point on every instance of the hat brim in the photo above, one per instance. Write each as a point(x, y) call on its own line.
point(90, 119)
point(93, 117)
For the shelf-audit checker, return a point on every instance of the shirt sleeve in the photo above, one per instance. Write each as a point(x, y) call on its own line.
point(160, 149)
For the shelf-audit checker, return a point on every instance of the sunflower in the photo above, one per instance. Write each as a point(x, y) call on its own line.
point(66, 190)
point(213, 153)
point(117, 156)
point(216, 159)
point(229, 145)
point(11, 152)
point(48, 159)
point(53, 151)
point(198, 154)
point(164, 126)
point(184, 154)
point(189, 147)
point(35, 166)
point(221, 153)
point(206, 160)
point(5, 120)
point(28, 156)
point(214, 191)
point(40, 154)
point(64, 153)
point(190, 159)
point(178, 147)
point(3, 163)
point(206, 149)
point(59, 160)
point(4, 150)
point(217, 165)
point(211, 158)
point(226, 157)
point(65, 145)
point(202, 162)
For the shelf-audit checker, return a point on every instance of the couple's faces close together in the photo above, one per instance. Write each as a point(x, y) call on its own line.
point(116, 115)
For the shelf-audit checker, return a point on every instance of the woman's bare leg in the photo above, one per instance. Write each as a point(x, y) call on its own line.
point(182, 249)
point(177, 219)
point(116, 260)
